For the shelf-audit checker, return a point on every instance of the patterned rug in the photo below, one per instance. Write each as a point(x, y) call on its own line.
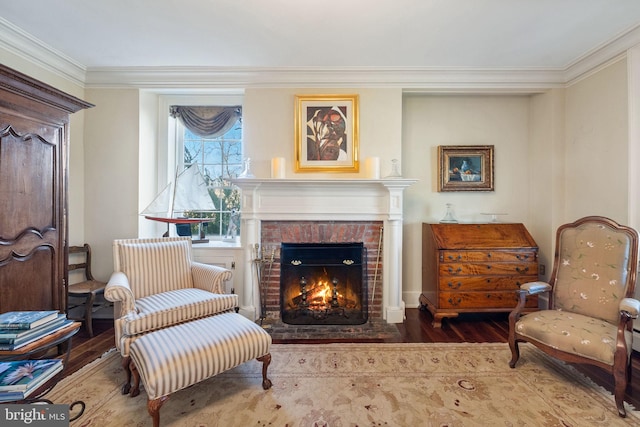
point(341, 385)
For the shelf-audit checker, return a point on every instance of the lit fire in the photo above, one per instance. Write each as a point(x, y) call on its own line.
point(320, 295)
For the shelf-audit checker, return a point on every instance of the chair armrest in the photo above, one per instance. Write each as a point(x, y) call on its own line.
point(526, 289)
point(209, 277)
point(118, 290)
point(630, 307)
point(535, 288)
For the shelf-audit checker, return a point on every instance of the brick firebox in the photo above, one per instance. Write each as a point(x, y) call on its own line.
point(274, 233)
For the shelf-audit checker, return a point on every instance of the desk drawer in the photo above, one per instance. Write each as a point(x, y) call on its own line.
point(480, 300)
point(479, 268)
point(489, 255)
point(484, 283)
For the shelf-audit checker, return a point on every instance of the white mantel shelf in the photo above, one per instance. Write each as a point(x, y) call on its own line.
point(327, 200)
point(322, 199)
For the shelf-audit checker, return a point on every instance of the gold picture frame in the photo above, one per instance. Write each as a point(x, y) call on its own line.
point(326, 133)
point(465, 168)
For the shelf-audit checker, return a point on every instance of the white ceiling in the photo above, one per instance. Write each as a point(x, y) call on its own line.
point(408, 35)
point(328, 33)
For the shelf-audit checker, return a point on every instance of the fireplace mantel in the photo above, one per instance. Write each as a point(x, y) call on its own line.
point(326, 200)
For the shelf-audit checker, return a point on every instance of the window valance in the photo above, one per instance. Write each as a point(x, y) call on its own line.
point(207, 121)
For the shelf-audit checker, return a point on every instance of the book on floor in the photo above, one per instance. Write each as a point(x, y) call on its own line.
point(18, 343)
point(26, 319)
point(10, 336)
point(27, 375)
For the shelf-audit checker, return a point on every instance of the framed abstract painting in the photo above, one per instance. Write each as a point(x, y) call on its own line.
point(326, 133)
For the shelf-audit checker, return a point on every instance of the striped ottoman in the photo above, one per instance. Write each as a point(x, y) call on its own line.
point(177, 357)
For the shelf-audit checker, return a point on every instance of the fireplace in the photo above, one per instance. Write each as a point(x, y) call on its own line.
point(323, 284)
point(318, 210)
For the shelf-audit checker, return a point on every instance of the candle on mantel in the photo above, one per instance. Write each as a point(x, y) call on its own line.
point(372, 167)
point(277, 168)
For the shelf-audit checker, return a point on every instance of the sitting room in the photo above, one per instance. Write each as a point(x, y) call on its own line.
point(358, 215)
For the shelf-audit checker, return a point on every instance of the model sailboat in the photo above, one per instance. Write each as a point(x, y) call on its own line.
point(188, 192)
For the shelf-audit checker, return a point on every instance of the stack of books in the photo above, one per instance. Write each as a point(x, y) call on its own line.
point(20, 378)
point(19, 328)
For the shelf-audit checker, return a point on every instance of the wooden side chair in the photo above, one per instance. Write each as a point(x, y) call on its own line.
point(88, 289)
point(591, 301)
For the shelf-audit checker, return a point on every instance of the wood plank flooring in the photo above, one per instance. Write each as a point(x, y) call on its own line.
point(416, 328)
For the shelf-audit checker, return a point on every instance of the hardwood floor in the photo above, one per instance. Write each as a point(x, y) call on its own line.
point(416, 328)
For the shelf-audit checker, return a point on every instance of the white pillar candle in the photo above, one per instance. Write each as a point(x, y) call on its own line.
point(372, 167)
point(277, 168)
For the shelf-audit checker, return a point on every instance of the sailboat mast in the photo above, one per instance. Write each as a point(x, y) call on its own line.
point(172, 199)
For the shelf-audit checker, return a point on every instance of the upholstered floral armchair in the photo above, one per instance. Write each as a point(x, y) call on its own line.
point(591, 304)
point(156, 284)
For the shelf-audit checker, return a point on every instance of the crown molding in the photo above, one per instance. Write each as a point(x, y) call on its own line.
point(406, 78)
point(409, 79)
point(20, 43)
point(602, 56)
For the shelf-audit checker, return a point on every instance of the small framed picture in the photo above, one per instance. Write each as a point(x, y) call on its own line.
point(326, 133)
point(465, 168)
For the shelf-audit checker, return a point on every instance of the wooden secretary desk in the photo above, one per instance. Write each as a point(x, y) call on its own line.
point(475, 268)
point(34, 131)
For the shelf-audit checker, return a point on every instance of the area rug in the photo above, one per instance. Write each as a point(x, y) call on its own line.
point(349, 385)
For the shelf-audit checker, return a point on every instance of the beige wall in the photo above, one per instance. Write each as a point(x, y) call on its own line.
point(429, 121)
point(269, 131)
point(597, 145)
point(559, 155)
point(111, 172)
point(546, 178)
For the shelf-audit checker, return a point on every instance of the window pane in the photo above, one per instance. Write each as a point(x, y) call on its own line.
point(212, 152)
point(219, 159)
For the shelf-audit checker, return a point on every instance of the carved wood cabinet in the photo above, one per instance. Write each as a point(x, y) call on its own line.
point(475, 268)
point(34, 119)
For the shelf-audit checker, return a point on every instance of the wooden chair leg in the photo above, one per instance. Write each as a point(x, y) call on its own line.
point(88, 313)
point(266, 361)
point(126, 387)
point(135, 389)
point(515, 352)
point(153, 407)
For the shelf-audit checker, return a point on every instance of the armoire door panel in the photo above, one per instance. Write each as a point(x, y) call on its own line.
point(31, 199)
point(29, 282)
point(34, 120)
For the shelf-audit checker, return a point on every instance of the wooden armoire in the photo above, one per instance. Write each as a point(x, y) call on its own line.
point(34, 121)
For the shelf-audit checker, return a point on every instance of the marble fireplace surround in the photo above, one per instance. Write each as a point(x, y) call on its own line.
point(326, 200)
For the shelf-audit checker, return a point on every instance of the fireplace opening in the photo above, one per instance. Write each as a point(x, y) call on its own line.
point(323, 283)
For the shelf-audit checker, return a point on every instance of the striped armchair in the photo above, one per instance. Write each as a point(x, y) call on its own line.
point(156, 284)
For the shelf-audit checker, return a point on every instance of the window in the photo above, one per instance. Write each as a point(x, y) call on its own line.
point(219, 159)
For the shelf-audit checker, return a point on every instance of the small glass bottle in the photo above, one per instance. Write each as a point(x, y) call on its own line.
point(449, 217)
point(395, 169)
point(246, 173)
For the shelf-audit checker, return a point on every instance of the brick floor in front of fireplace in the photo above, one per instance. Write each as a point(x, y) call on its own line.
point(371, 331)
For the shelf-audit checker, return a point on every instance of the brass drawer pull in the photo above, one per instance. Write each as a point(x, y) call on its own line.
point(454, 286)
point(457, 302)
point(522, 270)
point(458, 270)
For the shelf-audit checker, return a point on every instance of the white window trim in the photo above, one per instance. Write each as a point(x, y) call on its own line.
point(166, 148)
